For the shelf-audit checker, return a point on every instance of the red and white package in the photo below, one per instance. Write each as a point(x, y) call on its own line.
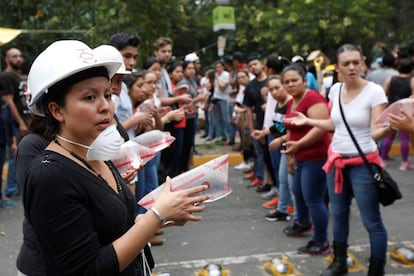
point(214, 174)
point(156, 140)
point(132, 155)
point(147, 106)
point(395, 108)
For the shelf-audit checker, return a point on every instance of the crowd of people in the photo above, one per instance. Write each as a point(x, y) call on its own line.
point(296, 149)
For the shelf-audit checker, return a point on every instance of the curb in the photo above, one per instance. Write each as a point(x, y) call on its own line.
point(237, 158)
point(234, 158)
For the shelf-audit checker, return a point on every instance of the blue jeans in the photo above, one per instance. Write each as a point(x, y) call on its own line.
point(274, 159)
point(259, 165)
point(285, 186)
point(147, 182)
point(2, 160)
point(309, 188)
point(360, 183)
point(12, 187)
point(222, 118)
point(178, 152)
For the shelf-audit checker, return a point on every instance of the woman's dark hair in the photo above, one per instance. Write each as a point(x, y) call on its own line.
point(172, 66)
point(405, 66)
point(186, 63)
point(149, 62)
point(130, 79)
point(277, 63)
point(295, 67)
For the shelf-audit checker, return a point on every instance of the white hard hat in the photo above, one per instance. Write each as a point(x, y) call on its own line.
point(191, 57)
point(59, 61)
point(109, 52)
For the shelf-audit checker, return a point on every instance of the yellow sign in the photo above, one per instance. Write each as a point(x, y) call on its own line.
point(224, 18)
point(7, 35)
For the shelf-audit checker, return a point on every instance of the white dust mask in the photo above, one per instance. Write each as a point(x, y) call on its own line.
point(116, 100)
point(106, 146)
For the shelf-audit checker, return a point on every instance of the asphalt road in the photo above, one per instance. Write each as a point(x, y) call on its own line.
point(234, 234)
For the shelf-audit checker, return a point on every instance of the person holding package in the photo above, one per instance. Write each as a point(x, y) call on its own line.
point(79, 206)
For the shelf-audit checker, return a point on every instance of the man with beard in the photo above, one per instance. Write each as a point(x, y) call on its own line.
point(13, 91)
point(253, 100)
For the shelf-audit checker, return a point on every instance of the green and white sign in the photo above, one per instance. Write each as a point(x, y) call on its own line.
point(224, 18)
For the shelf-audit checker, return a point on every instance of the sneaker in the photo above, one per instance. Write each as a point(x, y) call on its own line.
point(405, 165)
point(248, 170)
point(315, 248)
point(276, 215)
point(4, 203)
point(270, 194)
point(291, 209)
point(296, 229)
point(263, 188)
point(257, 182)
point(243, 165)
point(271, 203)
point(250, 176)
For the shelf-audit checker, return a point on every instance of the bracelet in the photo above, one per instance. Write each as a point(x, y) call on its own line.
point(158, 214)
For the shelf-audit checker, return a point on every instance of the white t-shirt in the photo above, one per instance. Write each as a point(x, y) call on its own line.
point(270, 111)
point(218, 93)
point(358, 115)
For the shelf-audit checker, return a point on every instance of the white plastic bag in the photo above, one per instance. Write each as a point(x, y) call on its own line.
point(156, 140)
point(132, 155)
point(395, 108)
point(213, 174)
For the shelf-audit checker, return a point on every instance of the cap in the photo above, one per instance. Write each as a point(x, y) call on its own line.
point(297, 58)
point(191, 57)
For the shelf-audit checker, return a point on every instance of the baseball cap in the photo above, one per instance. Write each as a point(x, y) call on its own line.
point(297, 58)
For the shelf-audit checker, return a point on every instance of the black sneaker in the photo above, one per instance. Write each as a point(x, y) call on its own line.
point(276, 215)
point(263, 188)
point(297, 229)
point(315, 248)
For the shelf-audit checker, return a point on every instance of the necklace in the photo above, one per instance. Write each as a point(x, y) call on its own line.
point(89, 166)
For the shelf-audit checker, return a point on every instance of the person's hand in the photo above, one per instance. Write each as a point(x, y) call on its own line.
point(177, 208)
point(403, 122)
point(185, 98)
point(275, 144)
point(291, 165)
point(299, 120)
point(176, 115)
point(164, 110)
point(291, 147)
point(129, 175)
point(257, 134)
point(142, 118)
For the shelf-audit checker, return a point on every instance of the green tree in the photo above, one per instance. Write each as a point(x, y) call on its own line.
point(298, 27)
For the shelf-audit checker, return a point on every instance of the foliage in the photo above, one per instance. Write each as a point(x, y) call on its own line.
point(298, 27)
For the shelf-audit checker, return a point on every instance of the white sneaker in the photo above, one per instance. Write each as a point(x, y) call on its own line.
point(243, 165)
point(270, 194)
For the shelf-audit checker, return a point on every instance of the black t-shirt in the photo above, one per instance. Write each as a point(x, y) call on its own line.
point(11, 83)
point(253, 98)
point(77, 216)
point(400, 88)
point(278, 128)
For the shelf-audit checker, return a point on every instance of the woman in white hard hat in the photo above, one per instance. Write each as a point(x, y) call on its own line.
point(81, 210)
